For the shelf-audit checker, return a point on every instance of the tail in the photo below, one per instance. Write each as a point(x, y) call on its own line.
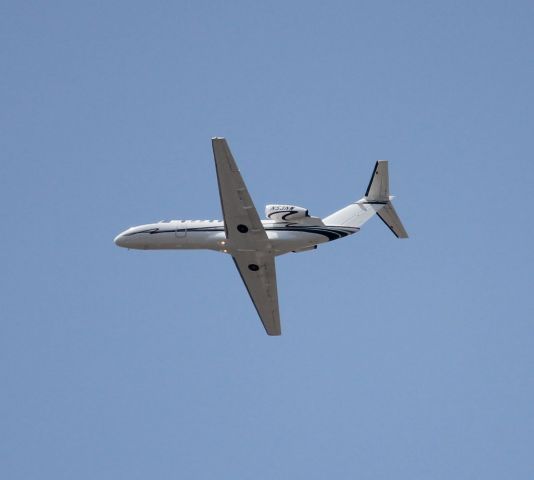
point(377, 200)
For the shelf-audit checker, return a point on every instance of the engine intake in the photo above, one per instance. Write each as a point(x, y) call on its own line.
point(285, 213)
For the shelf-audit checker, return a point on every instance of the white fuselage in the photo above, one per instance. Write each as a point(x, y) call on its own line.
point(284, 237)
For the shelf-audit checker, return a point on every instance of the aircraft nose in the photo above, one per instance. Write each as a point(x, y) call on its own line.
point(119, 240)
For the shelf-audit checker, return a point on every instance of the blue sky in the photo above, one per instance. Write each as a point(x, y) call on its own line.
point(399, 359)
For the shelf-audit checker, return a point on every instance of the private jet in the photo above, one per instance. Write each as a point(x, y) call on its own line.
point(254, 243)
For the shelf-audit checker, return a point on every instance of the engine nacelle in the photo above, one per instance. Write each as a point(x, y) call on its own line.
point(285, 213)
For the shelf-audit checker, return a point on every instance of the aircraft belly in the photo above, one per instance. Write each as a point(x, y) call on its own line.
point(206, 240)
point(166, 240)
point(169, 240)
point(289, 241)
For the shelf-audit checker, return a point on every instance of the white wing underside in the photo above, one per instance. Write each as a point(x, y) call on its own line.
point(247, 238)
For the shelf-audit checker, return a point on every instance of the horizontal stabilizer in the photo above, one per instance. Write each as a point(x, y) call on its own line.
point(389, 216)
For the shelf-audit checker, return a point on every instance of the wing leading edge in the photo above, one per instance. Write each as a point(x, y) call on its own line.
point(247, 239)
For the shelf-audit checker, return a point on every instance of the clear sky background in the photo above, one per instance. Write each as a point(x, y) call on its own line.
point(399, 359)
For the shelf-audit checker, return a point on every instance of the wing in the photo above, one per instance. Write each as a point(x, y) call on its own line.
point(247, 238)
point(257, 269)
point(241, 220)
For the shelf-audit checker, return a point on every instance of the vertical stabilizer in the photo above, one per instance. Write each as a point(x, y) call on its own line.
point(378, 188)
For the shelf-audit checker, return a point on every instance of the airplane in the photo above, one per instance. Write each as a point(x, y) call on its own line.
point(254, 243)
